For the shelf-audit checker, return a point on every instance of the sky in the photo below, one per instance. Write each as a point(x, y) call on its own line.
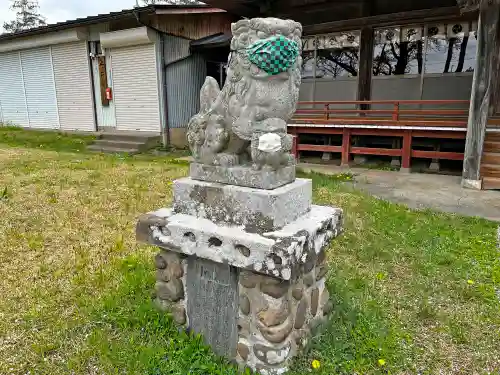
point(63, 10)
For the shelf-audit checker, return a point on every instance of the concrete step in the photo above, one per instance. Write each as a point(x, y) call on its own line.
point(113, 150)
point(130, 142)
point(130, 136)
point(491, 183)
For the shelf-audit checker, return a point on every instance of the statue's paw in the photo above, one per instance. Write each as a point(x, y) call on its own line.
point(256, 167)
point(227, 160)
point(289, 159)
point(269, 168)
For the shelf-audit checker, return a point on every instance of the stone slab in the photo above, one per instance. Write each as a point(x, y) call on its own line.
point(258, 210)
point(243, 175)
point(212, 304)
point(285, 253)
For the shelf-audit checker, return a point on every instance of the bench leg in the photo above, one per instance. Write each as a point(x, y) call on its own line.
point(434, 166)
point(396, 162)
point(406, 158)
point(346, 147)
point(327, 155)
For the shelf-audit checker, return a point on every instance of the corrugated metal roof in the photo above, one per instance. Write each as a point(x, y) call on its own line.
point(150, 9)
point(211, 41)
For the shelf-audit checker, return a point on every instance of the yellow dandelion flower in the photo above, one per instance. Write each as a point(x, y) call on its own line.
point(381, 362)
point(470, 282)
point(315, 364)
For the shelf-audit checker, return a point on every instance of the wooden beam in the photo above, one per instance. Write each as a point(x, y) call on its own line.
point(482, 91)
point(235, 7)
point(346, 147)
point(365, 66)
point(422, 15)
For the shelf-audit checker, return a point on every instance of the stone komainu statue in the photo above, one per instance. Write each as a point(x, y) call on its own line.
point(245, 123)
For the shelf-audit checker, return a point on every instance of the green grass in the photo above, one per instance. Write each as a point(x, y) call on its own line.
point(419, 290)
point(46, 140)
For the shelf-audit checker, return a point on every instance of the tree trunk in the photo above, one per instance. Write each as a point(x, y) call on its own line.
point(420, 56)
point(451, 43)
point(461, 57)
point(402, 60)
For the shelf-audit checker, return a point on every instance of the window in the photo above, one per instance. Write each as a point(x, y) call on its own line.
point(449, 48)
point(397, 51)
point(455, 53)
point(331, 55)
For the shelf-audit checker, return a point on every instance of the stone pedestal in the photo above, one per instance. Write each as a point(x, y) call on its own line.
point(242, 249)
point(243, 266)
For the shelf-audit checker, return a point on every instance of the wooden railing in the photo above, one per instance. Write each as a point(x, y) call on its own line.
point(407, 119)
point(384, 112)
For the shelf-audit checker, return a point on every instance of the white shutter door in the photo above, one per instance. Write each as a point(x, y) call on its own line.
point(39, 87)
point(135, 88)
point(73, 86)
point(12, 102)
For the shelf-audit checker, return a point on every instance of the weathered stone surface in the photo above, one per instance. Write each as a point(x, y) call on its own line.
point(263, 242)
point(248, 279)
point(245, 251)
point(171, 291)
point(273, 317)
point(243, 326)
point(271, 356)
point(301, 314)
point(314, 301)
point(258, 210)
point(328, 308)
point(274, 287)
point(325, 302)
point(243, 176)
point(176, 270)
point(320, 260)
point(243, 351)
point(160, 263)
point(244, 304)
point(162, 275)
point(179, 314)
point(276, 334)
point(172, 271)
point(143, 231)
point(212, 304)
point(287, 243)
point(309, 279)
point(321, 272)
point(310, 262)
point(297, 293)
point(232, 119)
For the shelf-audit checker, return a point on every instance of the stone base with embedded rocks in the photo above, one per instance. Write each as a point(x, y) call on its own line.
point(231, 267)
point(242, 249)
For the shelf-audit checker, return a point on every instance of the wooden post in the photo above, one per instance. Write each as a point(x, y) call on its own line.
point(406, 157)
point(365, 66)
point(482, 90)
point(395, 112)
point(346, 147)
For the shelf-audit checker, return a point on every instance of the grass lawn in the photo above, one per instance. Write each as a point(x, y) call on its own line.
point(414, 291)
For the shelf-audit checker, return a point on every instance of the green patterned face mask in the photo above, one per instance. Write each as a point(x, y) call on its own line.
point(274, 55)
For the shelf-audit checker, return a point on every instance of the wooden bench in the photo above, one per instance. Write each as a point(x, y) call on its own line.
point(394, 119)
